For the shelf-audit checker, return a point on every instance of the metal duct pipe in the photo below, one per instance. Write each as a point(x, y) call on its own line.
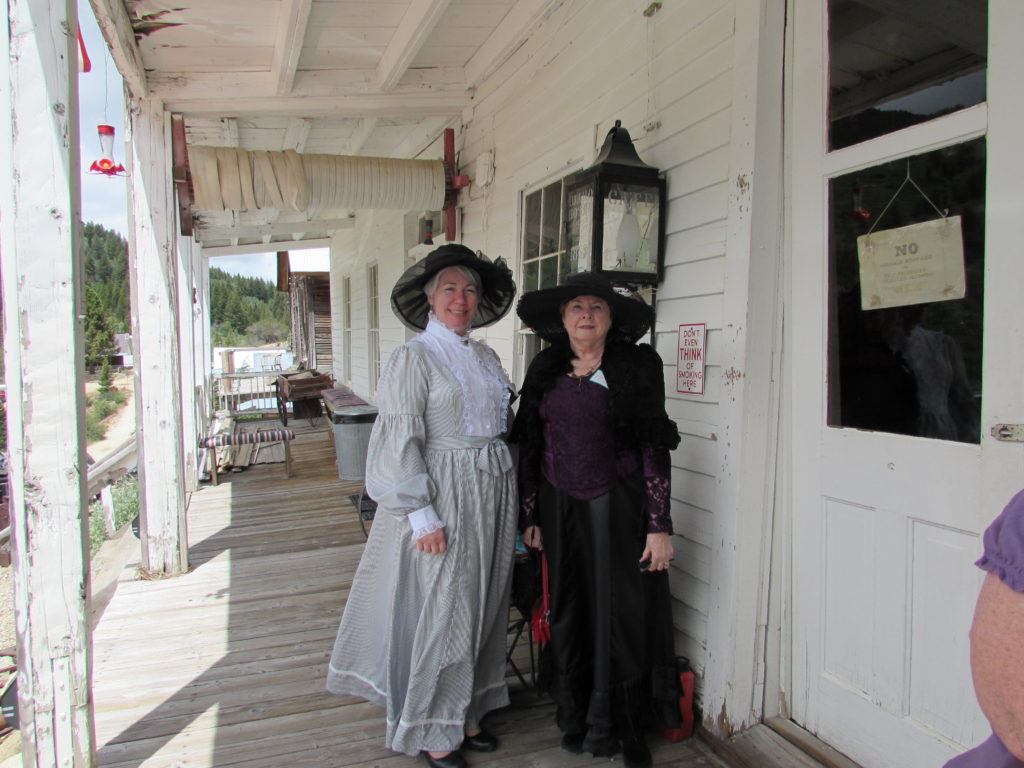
point(229, 178)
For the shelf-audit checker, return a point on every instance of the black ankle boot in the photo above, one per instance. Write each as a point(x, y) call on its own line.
point(573, 743)
point(635, 753)
point(482, 741)
point(600, 744)
point(451, 760)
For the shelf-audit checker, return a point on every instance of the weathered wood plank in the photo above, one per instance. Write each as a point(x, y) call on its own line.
point(764, 748)
point(43, 355)
point(117, 29)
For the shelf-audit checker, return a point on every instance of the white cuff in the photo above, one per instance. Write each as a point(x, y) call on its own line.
point(424, 521)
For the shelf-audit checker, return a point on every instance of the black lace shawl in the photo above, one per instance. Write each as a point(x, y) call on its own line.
point(636, 386)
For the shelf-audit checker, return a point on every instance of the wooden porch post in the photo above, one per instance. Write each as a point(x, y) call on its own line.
point(154, 282)
point(204, 361)
point(737, 628)
point(187, 337)
point(40, 238)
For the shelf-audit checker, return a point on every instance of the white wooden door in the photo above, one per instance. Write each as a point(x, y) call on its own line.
point(886, 520)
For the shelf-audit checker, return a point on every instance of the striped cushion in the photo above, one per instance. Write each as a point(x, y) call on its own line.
point(245, 438)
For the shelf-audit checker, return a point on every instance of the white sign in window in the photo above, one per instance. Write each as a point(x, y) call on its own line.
point(916, 264)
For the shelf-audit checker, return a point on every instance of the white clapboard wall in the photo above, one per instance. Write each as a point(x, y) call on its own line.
point(543, 114)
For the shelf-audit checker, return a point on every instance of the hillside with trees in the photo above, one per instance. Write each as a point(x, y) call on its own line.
point(244, 311)
point(107, 303)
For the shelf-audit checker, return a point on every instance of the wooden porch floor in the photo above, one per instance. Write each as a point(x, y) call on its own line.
point(225, 665)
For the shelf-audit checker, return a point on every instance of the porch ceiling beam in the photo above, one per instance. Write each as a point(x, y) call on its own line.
point(258, 231)
point(268, 247)
point(415, 28)
point(288, 46)
point(421, 137)
point(360, 136)
point(371, 105)
point(117, 31)
point(520, 22)
point(174, 86)
point(297, 133)
point(230, 127)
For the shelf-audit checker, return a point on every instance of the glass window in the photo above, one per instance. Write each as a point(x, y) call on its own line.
point(896, 63)
point(544, 254)
point(346, 328)
point(373, 326)
point(913, 369)
point(543, 251)
point(531, 226)
point(551, 218)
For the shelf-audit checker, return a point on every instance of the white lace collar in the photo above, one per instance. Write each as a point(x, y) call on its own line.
point(442, 333)
point(486, 388)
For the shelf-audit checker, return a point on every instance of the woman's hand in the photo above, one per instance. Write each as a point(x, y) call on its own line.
point(434, 543)
point(658, 551)
point(532, 538)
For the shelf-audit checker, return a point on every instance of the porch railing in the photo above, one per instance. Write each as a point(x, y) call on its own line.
point(99, 477)
point(248, 392)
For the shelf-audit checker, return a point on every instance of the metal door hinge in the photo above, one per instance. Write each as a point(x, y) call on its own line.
point(1009, 433)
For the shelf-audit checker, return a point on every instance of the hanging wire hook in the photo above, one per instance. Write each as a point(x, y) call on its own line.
point(944, 213)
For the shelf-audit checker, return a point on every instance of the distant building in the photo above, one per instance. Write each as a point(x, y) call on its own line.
point(123, 355)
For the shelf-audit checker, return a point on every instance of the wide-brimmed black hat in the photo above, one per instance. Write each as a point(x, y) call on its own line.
point(542, 310)
point(497, 288)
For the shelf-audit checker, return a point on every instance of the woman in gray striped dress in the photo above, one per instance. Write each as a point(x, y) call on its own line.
point(423, 631)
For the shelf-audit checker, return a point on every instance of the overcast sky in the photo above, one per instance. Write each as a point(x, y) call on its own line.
point(252, 265)
point(101, 102)
point(104, 199)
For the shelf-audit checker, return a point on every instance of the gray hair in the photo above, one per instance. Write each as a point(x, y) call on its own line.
point(470, 274)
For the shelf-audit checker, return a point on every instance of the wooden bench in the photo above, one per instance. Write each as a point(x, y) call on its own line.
point(247, 438)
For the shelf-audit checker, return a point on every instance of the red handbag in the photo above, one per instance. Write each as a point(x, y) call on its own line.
point(685, 729)
point(540, 624)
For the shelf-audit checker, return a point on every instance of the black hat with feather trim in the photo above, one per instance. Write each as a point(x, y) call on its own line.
point(497, 289)
point(542, 310)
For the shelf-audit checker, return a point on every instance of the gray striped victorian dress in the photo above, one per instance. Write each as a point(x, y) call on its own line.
point(424, 634)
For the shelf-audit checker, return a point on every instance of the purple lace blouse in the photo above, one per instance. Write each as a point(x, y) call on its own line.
point(580, 457)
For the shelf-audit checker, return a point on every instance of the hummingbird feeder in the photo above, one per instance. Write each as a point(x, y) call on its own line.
point(106, 164)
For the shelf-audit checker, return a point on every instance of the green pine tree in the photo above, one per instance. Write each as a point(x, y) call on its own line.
point(99, 338)
point(105, 264)
point(106, 377)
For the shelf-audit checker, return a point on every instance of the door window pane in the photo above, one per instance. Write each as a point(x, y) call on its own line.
point(896, 63)
point(912, 370)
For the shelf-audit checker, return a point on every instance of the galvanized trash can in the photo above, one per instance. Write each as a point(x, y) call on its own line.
point(352, 425)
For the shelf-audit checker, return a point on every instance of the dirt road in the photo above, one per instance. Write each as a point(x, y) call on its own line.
point(121, 425)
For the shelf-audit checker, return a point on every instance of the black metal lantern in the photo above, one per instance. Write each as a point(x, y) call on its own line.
point(615, 215)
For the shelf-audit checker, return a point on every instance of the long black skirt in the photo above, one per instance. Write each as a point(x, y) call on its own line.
point(611, 659)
